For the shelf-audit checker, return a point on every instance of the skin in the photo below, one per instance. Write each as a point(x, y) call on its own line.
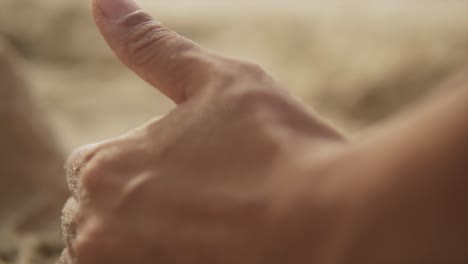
point(240, 172)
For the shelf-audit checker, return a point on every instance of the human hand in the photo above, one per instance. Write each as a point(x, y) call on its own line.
point(239, 172)
point(204, 184)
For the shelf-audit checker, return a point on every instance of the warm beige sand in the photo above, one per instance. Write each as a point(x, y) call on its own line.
point(357, 63)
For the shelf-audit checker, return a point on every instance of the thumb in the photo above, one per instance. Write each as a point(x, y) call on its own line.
point(175, 65)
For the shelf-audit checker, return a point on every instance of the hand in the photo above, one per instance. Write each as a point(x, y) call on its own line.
point(239, 172)
point(203, 184)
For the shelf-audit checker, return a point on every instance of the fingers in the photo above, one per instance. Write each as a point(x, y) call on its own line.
point(82, 156)
point(75, 164)
point(175, 65)
point(78, 160)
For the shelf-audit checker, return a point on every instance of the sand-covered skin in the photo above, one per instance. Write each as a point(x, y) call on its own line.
point(356, 63)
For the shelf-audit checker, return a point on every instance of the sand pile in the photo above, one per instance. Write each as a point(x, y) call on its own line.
point(357, 63)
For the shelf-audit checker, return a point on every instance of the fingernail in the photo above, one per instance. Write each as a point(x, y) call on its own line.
point(115, 9)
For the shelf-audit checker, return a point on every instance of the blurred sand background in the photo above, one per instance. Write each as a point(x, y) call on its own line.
point(355, 62)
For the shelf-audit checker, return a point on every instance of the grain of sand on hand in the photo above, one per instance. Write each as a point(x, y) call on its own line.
point(32, 188)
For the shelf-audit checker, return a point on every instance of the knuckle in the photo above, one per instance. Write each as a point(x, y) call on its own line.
point(143, 46)
point(144, 35)
point(135, 19)
point(76, 161)
point(90, 163)
point(112, 159)
point(95, 175)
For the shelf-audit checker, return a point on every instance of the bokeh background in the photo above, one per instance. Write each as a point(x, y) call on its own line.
point(355, 62)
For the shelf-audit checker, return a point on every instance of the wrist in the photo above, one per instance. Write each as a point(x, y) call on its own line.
point(308, 210)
